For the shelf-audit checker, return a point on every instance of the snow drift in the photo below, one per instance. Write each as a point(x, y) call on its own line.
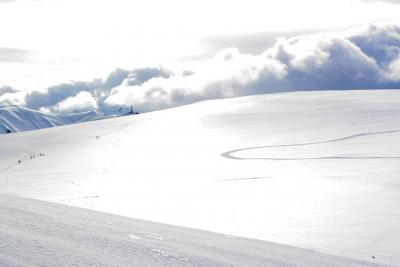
point(46, 234)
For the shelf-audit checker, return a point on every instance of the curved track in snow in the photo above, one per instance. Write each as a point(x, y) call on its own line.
point(229, 154)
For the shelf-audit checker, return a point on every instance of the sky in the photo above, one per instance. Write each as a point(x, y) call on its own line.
point(177, 46)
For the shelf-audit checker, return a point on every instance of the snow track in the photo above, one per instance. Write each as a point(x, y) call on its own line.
point(229, 154)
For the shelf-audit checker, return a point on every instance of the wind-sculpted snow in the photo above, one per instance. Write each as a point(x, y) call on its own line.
point(44, 234)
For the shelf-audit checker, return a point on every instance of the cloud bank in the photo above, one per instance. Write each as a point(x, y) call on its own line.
point(7, 1)
point(14, 54)
point(385, 1)
point(364, 58)
point(6, 90)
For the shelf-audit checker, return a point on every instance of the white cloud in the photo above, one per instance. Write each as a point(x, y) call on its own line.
point(362, 58)
point(12, 98)
point(48, 98)
point(15, 55)
point(384, 1)
point(394, 71)
point(83, 101)
point(159, 32)
point(4, 89)
point(358, 59)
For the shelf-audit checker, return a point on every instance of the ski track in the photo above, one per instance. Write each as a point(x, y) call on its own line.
point(229, 155)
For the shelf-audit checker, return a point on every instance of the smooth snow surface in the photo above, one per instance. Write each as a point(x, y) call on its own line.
point(44, 234)
point(17, 119)
point(316, 170)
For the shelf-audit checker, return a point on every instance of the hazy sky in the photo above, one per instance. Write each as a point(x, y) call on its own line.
point(45, 42)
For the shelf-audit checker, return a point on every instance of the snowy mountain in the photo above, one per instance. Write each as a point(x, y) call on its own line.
point(17, 119)
point(312, 170)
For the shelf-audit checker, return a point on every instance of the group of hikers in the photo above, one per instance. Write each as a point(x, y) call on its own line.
point(42, 154)
point(32, 157)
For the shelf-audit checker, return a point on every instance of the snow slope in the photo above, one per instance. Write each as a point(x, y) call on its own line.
point(44, 234)
point(316, 170)
point(17, 119)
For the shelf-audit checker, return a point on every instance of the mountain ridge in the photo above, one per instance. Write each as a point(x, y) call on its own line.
point(17, 119)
